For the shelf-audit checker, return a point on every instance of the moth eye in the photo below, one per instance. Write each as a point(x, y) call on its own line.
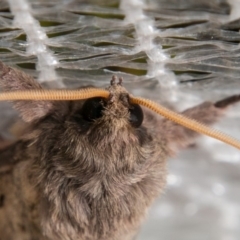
point(136, 115)
point(92, 109)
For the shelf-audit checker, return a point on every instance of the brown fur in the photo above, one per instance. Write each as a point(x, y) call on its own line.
point(68, 179)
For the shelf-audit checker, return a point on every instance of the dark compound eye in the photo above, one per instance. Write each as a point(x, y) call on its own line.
point(92, 109)
point(136, 115)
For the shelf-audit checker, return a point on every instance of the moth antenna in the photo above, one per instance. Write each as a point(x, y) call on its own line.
point(57, 95)
point(185, 121)
point(63, 94)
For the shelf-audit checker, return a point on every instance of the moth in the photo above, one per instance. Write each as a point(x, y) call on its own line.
point(91, 161)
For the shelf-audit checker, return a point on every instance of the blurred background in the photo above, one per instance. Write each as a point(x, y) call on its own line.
point(176, 52)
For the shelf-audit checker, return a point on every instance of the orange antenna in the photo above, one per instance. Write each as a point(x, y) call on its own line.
point(62, 94)
point(186, 122)
point(96, 92)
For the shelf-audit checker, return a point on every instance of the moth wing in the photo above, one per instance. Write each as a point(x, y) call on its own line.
point(15, 80)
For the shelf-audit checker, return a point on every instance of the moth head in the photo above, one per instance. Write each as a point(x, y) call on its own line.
point(102, 121)
point(116, 109)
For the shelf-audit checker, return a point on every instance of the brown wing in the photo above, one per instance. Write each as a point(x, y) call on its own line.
point(208, 113)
